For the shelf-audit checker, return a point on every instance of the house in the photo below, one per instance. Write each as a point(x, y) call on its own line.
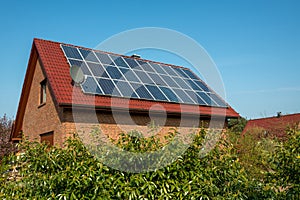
point(68, 89)
point(273, 126)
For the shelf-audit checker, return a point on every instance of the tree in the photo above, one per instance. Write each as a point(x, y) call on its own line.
point(237, 125)
point(6, 147)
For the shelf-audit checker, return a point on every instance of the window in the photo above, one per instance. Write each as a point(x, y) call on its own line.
point(47, 138)
point(43, 94)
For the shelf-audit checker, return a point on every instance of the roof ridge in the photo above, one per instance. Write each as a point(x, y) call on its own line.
point(108, 52)
point(287, 115)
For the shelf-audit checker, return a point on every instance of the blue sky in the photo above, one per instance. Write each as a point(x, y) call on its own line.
point(255, 44)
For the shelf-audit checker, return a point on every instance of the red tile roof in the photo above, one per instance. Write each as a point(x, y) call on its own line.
point(57, 71)
point(275, 126)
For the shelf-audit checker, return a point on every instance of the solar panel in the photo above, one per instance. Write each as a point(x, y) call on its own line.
point(132, 63)
point(129, 75)
point(125, 89)
point(156, 78)
point(119, 61)
point(141, 91)
point(206, 98)
point(171, 83)
point(97, 70)
point(80, 64)
point(195, 97)
point(71, 52)
point(170, 71)
point(113, 72)
point(184, 98)
point(181, 73)
point(108, 87)
point(158, 68)
point(171, 95)
point(90, 86)
point(190, 74)
point(181, 83)
point(144, 77)
point(156, 93)
point(104, 58)
point(145, 66)
point(88, 55)
point(121, 76)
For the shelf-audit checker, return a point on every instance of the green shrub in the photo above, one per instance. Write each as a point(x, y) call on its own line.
point(286, 166)
point(73, 173)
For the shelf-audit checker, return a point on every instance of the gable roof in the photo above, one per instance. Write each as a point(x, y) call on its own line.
point(275, 126)
point(56, 68)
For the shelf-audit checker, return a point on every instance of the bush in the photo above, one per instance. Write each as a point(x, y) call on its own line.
point(286, 166)
point(73, 173)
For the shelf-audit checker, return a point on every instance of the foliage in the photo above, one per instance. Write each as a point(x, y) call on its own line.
point(253, 151)
point(286, 166)
point(6, 147)
point(237, 125)
point(73, 173)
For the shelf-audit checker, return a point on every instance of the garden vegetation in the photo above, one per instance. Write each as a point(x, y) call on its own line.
point(237, 168)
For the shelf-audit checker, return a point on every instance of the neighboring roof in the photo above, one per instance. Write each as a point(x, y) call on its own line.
point(275, 126)
point(57, 70)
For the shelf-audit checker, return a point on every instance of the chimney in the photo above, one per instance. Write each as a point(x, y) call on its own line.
point(279, 114)
point(135, 56)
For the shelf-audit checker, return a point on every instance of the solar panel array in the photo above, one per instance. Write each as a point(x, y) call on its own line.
point(121, 76)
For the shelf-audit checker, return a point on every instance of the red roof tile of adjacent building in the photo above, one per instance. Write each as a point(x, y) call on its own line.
point(275, 126)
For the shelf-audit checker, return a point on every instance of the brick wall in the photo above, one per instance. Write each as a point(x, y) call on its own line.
point(112, 124)
point(39, 119)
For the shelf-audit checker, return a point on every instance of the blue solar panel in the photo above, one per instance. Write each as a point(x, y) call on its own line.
point(217, 99)
point(141, 91)
point(104, 58)
point(171, 95)
point(125, 89)
point(80, 64)
point(169, 70)
point(97, 70)
point(195, 97)
point(190, 74)
point(108, 87)
point(90, 86)
point(144, 77)
point(202, 86)
point(181, 83)
point(71, 52)
point(88, 55)
point(206, 98)
point(129, 75)
point(119, 61)
point(145, 66)
point(158, 68)
point(184, 98)
point(132, 63)
point(193, 85)
point(121, 76)
point(156, 78)
point(113, 72)
point(171, 83)
point(156, 92)
point(180, 72)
